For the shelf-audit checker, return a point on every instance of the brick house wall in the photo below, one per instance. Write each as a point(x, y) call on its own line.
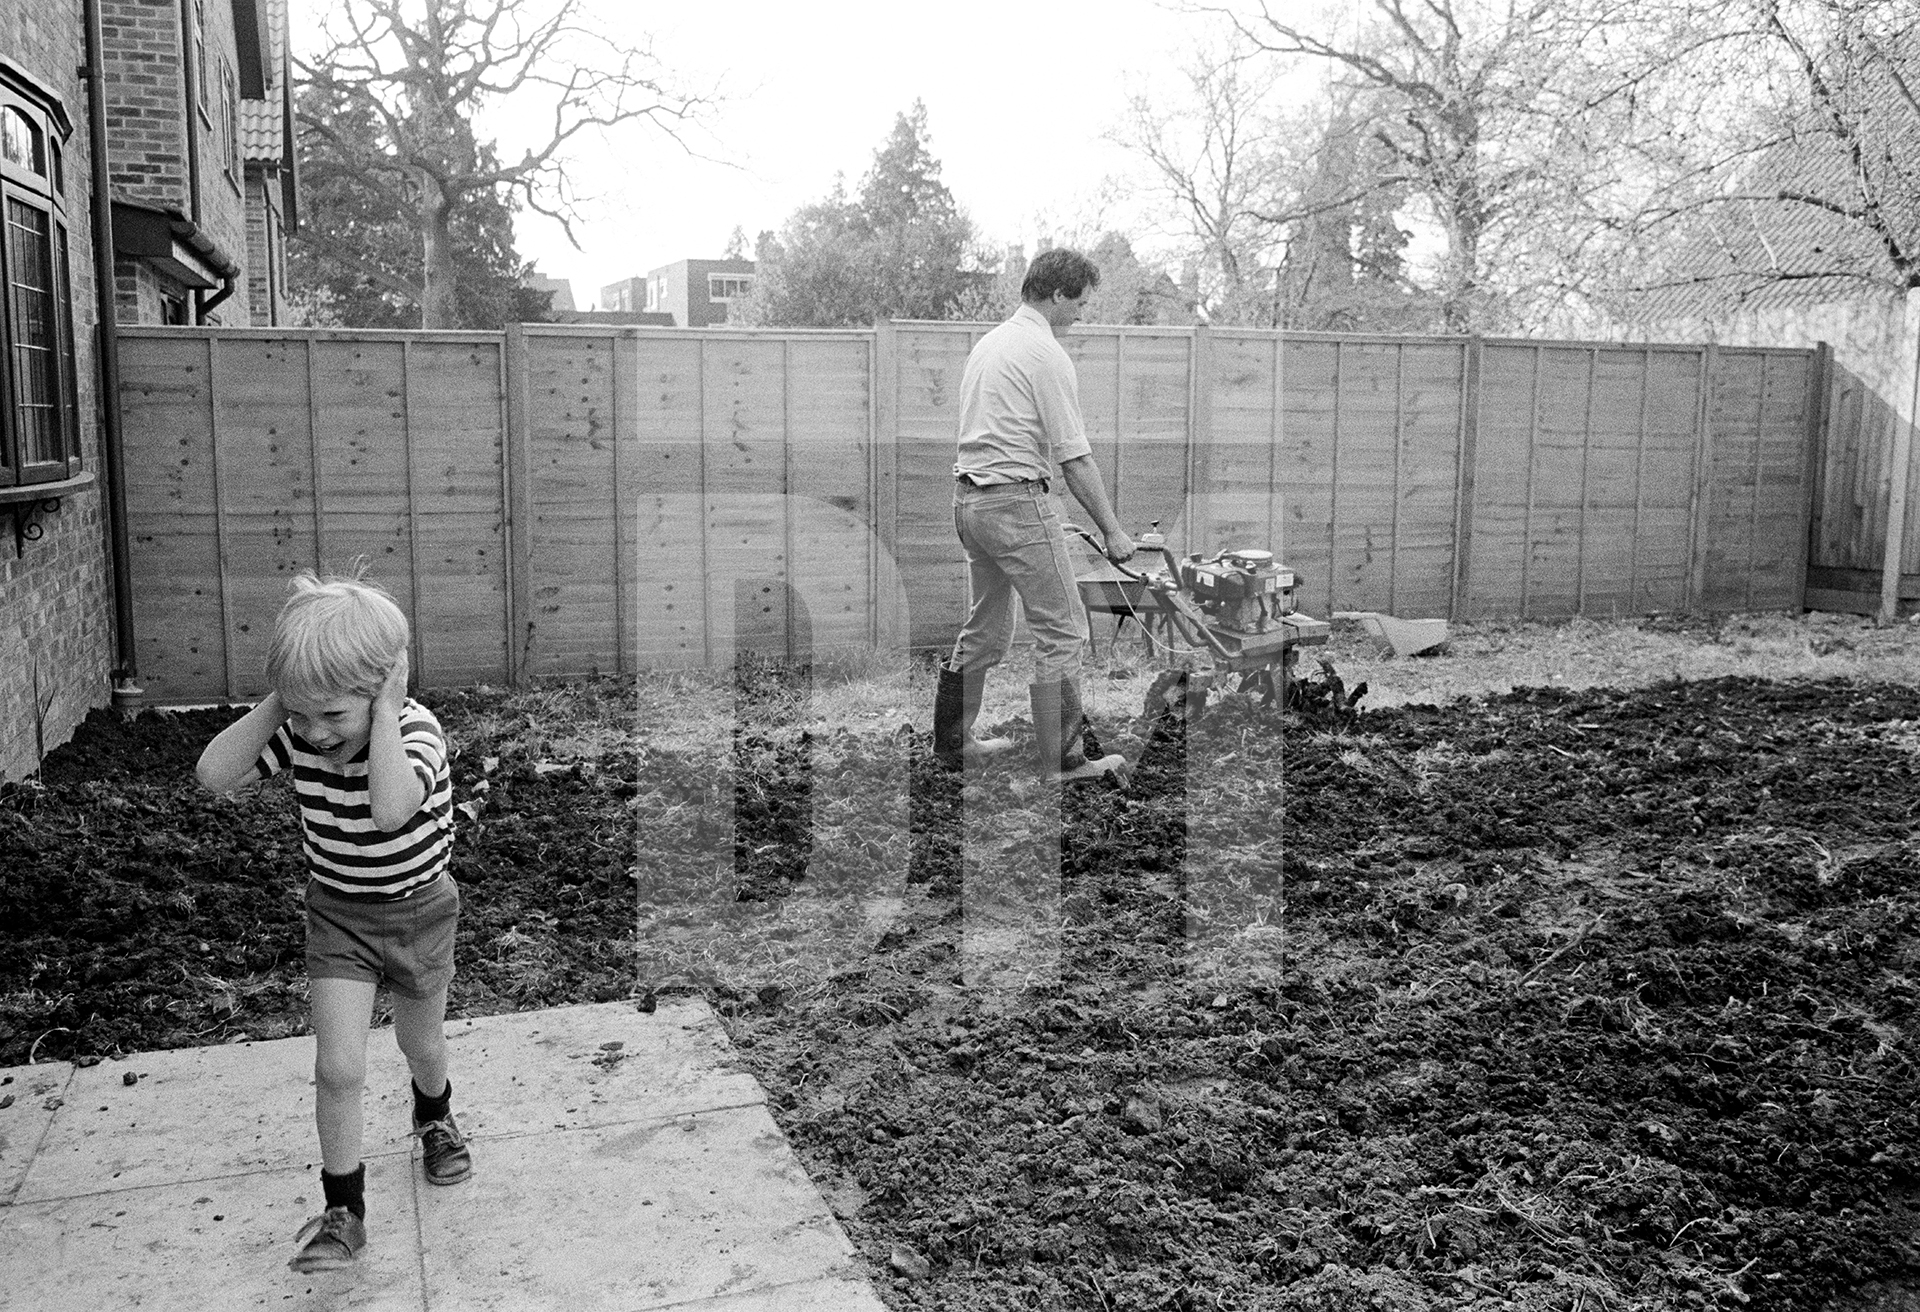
point(266, 251)
point(56, 598)
point(272, 178)
point(56, 610)
point(147, 123)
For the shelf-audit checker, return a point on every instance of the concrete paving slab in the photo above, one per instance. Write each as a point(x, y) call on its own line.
point(208, 1245)
point(597, 1064)
point(620, 1162)
point(202, 1113)
point(656, 1214)
point(37, 1092)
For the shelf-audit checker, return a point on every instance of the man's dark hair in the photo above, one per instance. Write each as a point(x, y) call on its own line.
point(1059, 270)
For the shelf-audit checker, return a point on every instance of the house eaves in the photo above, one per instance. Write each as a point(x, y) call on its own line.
point(171, 242)
point(252, 39)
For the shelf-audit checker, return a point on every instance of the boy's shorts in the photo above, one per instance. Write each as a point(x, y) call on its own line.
point(406, 944)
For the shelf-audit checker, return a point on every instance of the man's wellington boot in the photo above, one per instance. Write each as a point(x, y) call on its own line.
point(956, 702)
point(1058, 726)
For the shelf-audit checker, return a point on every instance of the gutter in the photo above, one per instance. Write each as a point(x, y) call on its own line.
point(126, 695)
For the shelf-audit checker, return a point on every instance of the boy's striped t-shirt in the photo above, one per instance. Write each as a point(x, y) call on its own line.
point(345, 849)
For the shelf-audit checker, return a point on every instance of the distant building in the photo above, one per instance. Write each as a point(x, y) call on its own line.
point(560, 290)
point(696, 293)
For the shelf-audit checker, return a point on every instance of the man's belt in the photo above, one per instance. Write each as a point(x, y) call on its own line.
point(1046, 484)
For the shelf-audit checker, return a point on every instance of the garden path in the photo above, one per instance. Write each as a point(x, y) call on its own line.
point(620, 1161)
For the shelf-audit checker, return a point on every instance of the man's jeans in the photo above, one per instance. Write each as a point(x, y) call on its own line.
point(1014, 543)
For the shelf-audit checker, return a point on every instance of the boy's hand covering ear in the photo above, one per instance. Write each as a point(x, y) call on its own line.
point(393, 692)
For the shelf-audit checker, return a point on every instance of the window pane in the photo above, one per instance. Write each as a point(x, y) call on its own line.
point(68, 389)
point(30, 294)
point(20, 141)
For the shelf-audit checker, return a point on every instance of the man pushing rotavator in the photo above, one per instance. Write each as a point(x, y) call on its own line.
point(1019, 417)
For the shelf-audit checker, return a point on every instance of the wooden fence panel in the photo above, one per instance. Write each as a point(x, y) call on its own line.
point(749, 473)
point(568, 499)
point(832, 556)
point(1144, 428)
point(1504, 476)
point(1850, 511)
point(1844, 506)
point(1759, 418)
point(746, 526)
point(926, 418)
point(1369, 400)
point(1426, 469)
point(180, 620)
point(570, 550)
point(253, 454)
point(1660, 559)
point(667, 477)
point(1307, 463)
point(457, 520)
point(1236, 490)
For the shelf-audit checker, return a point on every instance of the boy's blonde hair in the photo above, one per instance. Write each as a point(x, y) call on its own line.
point(337, 635)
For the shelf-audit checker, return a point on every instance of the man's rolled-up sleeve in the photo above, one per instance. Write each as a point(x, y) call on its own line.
point(1056, 394)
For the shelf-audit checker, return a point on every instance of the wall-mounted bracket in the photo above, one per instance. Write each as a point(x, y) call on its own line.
point(26, 503)
point(26, 521)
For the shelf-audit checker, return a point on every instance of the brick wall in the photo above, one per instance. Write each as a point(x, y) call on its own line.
point(266, 240)
point(56, 630)
point(145, 122)
point(223, 213)
point(147, 118)
point(56, 613)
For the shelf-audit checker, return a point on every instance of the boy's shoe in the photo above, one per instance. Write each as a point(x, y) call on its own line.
point(443, 1151)
point(329, 1241)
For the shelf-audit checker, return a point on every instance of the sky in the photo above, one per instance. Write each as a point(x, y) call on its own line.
point(1020, 95)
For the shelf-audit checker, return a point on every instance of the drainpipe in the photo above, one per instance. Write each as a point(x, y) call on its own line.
point(126, 695)
point(204, 305)
point(190, 83)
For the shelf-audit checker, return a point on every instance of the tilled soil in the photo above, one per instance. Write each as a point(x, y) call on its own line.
point(1599, 999)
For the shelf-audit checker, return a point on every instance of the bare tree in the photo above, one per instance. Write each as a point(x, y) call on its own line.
point(415, 73)
point(1282, 215)
point(1505, 121)
point(1219, 161)
point(1809, 176)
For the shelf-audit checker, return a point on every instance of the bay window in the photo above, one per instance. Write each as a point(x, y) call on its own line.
point(39, 418)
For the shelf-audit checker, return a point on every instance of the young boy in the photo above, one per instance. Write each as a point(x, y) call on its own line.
point(376, 814)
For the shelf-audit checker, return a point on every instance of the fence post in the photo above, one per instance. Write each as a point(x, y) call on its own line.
point(422, 670)
point(222, 517)
point(883, 469)
point(624, 362)
point(517, 459)
point(1900, 472)
point(1199, 434)
point(1813, 461)
point(1700, 500)
point(1463, 477)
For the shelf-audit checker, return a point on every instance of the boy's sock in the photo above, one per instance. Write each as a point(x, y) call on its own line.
point(427, 1109)
point(348, 1190)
